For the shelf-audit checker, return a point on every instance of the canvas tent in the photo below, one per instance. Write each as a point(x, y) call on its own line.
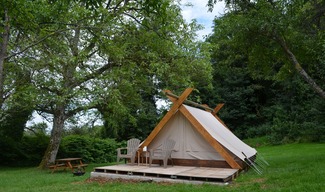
point(201, 137)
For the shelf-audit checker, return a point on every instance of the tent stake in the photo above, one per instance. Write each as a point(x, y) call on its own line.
point(251, 164)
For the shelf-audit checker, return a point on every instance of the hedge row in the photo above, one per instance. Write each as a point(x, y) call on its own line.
point(91, 150)
point(30, 150)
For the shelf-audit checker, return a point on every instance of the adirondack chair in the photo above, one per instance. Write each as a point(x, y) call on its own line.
point(130, 151)
point(164, 153)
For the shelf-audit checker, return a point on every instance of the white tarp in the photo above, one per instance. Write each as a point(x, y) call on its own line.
point(221, 133)
point(189, 142)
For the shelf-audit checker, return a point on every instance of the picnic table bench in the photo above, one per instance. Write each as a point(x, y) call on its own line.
point(68, 163)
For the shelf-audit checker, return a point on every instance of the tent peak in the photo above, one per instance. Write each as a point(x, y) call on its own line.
point(174, 97)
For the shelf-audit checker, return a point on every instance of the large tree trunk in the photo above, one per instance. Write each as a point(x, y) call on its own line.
point(300, 70)
point(55, 140)
point(4, 39)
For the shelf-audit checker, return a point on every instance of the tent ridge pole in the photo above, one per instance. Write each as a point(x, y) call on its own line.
point(189, 102)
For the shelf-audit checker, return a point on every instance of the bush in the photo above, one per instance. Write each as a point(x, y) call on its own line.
point(313, 132)
point(27, 152)
point(8, 151)
point(93, 150)
point(259, 131)
point(257, 141)
point(32, 148)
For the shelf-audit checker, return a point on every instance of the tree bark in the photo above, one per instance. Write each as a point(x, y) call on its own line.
point(299, 69)
point(55, 140)
point(3, 53)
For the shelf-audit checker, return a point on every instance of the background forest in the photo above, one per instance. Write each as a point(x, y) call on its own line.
point(108, 61)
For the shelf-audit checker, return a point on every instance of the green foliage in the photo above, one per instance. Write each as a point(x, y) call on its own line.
point(262, 91)
point(295, 124)
point(36, 129)
point(12, 124)
point(32, 149)
point(233, 85)
point(111, 55)
point(135, 120)
point(257, 142)
point(9, 150)
point(16, 104)
point(295, 115)
point(155, 56)
point(90, 149)
point(263, 130)
point(27, 152)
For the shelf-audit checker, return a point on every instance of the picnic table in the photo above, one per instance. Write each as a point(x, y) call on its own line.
point(68, 163)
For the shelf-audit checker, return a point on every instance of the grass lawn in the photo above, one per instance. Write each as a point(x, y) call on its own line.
point(293, 167)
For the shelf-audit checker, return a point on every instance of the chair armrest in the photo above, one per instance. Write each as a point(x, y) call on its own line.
point(153, 151)
point(119, 150)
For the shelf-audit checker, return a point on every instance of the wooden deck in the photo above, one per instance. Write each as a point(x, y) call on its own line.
point(171, 173)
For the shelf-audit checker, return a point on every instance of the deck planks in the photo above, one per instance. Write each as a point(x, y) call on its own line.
point(206, 174)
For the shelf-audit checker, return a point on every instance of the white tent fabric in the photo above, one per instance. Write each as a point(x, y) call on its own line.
point(190, 144)
point(221, 133)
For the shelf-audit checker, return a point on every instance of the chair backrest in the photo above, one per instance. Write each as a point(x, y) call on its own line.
point(167, 147)
point(133, 145)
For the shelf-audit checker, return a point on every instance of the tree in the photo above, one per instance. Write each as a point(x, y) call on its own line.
point(161, 56)
point(250, 64)
point(106, 56)
point(233, 85)
point(292, 31)
point(73, 59)
point(17, 24)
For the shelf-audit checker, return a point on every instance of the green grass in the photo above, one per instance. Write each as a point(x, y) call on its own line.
point(293, 167)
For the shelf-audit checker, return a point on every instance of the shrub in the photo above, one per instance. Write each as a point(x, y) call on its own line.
point(257, 141)
point(259, 131)
point(32, 148)
point(27, 152)
point(93, 150)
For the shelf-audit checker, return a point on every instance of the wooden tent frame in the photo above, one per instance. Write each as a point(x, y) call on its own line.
point(177, 106)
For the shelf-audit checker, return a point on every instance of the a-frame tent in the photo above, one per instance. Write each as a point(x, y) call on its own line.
point(201, 137)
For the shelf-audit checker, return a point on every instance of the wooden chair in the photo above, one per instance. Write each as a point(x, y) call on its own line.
point(130, 151)
point(164, 153)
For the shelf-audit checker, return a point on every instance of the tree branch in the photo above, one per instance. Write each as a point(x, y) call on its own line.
point(96, 73)
point(298, 67)
point(79, 109)
point(36, 43)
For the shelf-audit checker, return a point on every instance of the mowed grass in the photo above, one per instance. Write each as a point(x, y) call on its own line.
point(293, 167)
